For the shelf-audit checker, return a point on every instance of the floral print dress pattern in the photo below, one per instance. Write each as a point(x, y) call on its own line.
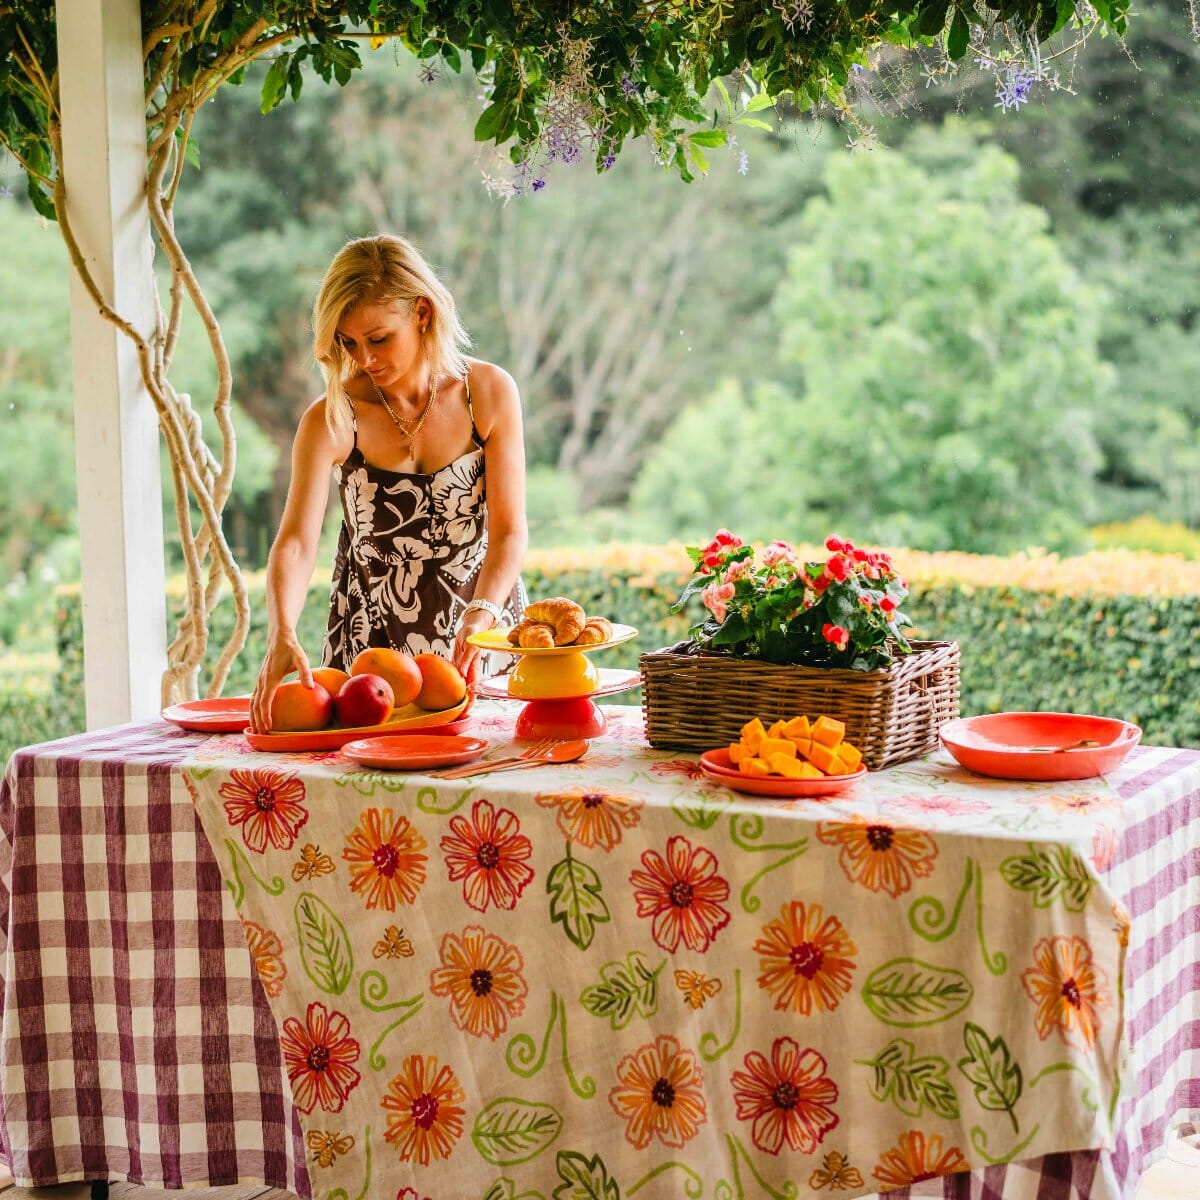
point(409, 553)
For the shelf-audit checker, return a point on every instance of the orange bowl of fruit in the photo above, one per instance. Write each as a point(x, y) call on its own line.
point(799, 757)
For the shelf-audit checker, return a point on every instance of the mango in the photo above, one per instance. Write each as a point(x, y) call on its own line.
point(753, 733)
point(776, 745)
point(737, 752)
point(825, 759)
point(754, 766)
point(828, 732)
point(797, 727)
point(792, 768)
point(850, 756)
point(803, 746)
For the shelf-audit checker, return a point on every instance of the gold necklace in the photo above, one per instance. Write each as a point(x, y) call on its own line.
point(408, 432)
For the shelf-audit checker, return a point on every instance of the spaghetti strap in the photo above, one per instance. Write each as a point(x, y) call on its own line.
point(353, 420)
point(471, 410)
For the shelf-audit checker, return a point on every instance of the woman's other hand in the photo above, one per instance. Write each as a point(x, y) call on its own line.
point(465, 656)
point(284, 655)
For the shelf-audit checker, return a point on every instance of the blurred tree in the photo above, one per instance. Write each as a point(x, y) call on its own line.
point(948, 372)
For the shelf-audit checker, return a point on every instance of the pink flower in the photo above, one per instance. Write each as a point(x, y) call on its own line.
point(839, 567)
point(837, 635)
point(871, 571)
point(716, 598)
point(887, 604)
point(833, 543)
point(1104, 847)
point(865, 601)
point(779, 552)
point(739, 570)
point(723, 541)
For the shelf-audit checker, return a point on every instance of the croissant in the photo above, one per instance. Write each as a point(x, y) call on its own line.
point(531, 634)
point(595, 631)
point(562, 614)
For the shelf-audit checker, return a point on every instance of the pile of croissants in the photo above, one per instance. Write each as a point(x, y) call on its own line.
point(558, 621)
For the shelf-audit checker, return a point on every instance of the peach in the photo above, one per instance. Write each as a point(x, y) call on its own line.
point(296, 708)
point(442, 684)
point(399, 669)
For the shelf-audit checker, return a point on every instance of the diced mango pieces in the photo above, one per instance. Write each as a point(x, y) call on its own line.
point(797, 727)
point(753, 733)
point(799, 748)
point(828, 732)
point(776, 745)
point(850, 757)
point(824, 759)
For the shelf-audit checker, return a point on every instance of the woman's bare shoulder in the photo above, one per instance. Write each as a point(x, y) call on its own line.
point(313, 435)
point(493, 391)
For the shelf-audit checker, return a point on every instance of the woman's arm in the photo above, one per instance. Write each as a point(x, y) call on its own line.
point(291, 561)
point(498, 420)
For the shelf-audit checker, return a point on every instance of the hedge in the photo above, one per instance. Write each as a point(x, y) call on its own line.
point(1109, 632)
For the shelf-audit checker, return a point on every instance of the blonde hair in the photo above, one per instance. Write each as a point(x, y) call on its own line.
point(384, 269)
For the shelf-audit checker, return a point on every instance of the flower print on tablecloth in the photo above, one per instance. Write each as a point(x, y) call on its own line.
point(424, 1107)
point(489, 853)
point(789, 1097)
point(686, 767)
point(1068, 989)
point(917, 1157)
point(593, 816)
point(266, 804)
point(267, 952)
point(807, 959)
point(880, 857)
point(935, 804)
point(480, 973)
point(682, 893)
point(659, 1094)
point(386, 859)
point(319, 1057)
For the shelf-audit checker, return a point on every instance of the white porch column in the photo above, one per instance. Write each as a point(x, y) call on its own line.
point(116, 429)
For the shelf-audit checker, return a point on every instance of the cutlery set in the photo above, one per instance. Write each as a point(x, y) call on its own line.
point(537, 754)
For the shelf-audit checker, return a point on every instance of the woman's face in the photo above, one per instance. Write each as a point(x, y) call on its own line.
point(383, 340)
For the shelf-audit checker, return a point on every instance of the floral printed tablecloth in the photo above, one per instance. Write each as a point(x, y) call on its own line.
point(614, 978)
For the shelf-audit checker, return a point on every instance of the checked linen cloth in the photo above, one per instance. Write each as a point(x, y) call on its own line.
point(136, 1043)
point(156, 1102)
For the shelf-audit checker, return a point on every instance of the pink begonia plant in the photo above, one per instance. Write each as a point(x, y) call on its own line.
point(843, 612)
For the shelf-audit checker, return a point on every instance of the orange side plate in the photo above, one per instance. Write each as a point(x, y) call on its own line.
point(409, 719)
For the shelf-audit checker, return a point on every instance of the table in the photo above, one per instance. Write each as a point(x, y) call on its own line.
point(590, 983)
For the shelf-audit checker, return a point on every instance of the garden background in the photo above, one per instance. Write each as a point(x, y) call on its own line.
point(974, 335)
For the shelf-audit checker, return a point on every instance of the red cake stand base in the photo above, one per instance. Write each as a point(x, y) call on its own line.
point(567, 719)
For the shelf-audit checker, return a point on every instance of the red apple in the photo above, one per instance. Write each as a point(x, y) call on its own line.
point(363, 700)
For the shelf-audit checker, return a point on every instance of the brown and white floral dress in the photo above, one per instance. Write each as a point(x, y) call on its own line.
point(409, 553)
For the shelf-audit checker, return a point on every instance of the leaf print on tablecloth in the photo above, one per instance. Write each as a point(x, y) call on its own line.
point(1050, 875)
point(912, 1084)
point(324, 944)
point(626, 989)
point(584, 1178)
point(909, 992)
point(995, 1076)
point(576, 902)
point(510, 1131)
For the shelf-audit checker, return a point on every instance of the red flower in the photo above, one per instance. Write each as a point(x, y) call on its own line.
point(319, 1057)
point(682, 894)
point(266, 803)
point(425, 1107)
point(833, 543)
point(723, 541)
point(789, 1099)
point(835, 634)
point(887, 604)
point(840, 567)
point(489, 853)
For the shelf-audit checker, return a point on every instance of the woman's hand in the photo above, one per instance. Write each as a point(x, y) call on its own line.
point(284, 655)
point(465, 656)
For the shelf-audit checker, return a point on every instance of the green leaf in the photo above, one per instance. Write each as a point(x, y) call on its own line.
point(502, 1189)
point(575, 899)
point(708, 137)
point(760, 101)
point(960, 35)
point(629, 988)
point(510, 1131)
point(584, 1178)
point(932, 19)
point(42, 201)
point(909, 992)
point(755, 123)
point(990, 1068)
point(913, 1084)
point(324, 946)
point(275, 84)
point(1050, 875)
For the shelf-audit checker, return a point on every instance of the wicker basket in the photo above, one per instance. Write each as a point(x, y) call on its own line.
point(695, 700)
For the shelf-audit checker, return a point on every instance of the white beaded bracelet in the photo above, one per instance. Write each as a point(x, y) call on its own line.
point(497, 614)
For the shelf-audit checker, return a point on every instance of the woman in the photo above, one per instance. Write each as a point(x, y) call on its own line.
point(413, 429)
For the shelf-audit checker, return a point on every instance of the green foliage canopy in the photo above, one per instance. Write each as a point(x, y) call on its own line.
point(592, 73)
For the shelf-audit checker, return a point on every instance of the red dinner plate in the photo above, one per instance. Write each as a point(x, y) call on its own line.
point(1039, 746)
point(223, 715)
point(716, 765)
point(406, 720)
point(414, 751)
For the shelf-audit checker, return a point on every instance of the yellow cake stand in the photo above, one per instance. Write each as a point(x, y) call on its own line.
point(558, 684)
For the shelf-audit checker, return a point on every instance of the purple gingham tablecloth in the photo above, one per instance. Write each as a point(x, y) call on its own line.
point(136, 1042)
